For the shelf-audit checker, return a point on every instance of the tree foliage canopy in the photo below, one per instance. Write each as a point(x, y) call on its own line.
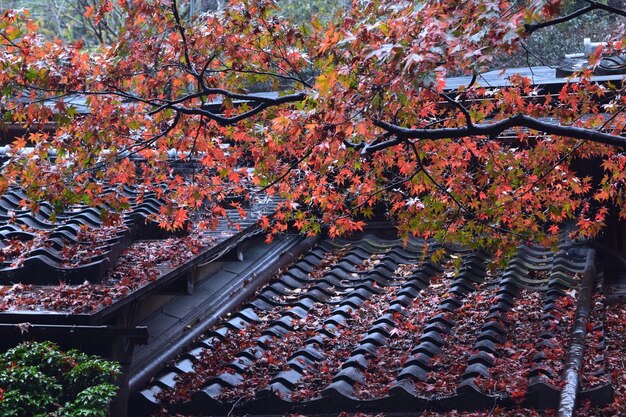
point(362, 121)
point(38, 379)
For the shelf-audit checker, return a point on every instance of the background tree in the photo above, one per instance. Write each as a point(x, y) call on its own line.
point(70, 20)
point(304, 12)
point(67, 20)
point(376, 128)
point(550, 45)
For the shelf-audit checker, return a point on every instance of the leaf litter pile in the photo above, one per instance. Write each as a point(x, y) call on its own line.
point(222, 355)
point(262, 370)
point(594, 372)
point(213, 361)
point(335, 345)
point(338, 347)
point(513, 358)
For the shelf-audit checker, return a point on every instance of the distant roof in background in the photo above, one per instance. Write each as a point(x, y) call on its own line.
point(540, 75)
point(81, 105)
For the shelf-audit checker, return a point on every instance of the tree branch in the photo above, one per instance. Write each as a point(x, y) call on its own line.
point(539, 179)
point(268, 73)
point(284, 174)
point(181, 30)
point(493, 130)
point(227, 121)
point(607, 8)
point(386, 188)
point(593, 5)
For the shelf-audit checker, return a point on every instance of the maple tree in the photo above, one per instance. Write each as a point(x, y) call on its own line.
point(362, 119)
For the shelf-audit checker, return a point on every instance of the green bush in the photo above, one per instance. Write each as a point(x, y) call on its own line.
point(38, 380)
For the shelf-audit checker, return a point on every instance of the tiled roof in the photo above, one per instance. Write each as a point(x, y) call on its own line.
point(36, 250)
point(379, 325)
point(99, 264)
